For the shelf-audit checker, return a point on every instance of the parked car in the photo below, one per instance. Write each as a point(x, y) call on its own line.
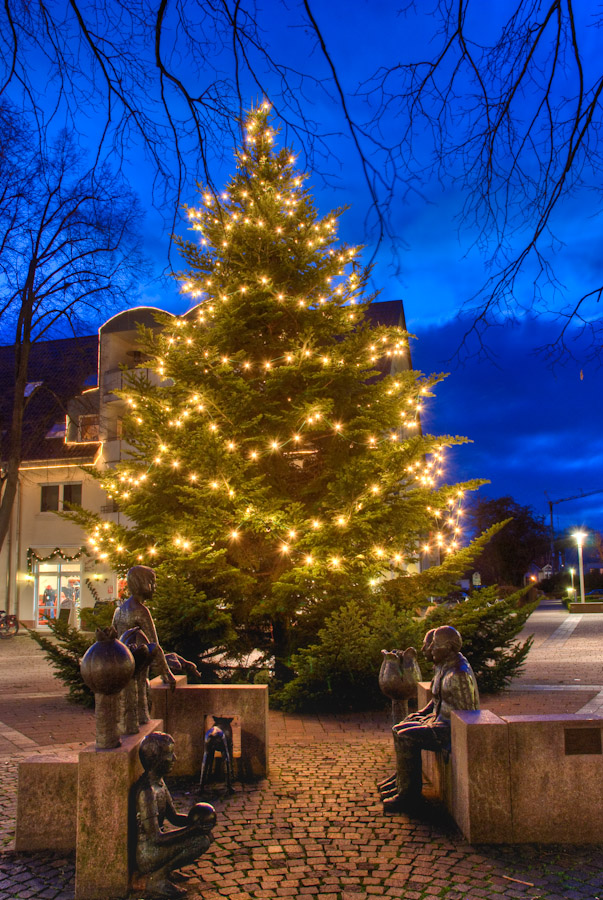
point(455, 597)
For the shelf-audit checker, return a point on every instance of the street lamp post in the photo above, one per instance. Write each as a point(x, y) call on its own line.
point(579, 537)
point(572, 572)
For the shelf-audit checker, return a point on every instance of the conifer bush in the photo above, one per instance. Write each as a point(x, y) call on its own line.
point(64, 654)
point(340, 671)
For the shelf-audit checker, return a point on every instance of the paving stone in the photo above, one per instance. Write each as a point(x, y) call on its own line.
point(315, 828)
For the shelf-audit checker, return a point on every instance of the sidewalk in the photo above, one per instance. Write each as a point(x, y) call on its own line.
point(315, 827)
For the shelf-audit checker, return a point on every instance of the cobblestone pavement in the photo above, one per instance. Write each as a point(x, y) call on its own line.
point(315, 827)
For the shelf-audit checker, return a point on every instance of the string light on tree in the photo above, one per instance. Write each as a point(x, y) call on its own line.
point(278, 467)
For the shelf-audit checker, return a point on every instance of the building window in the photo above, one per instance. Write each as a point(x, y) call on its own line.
point(115, 430)
point(57, 431)
point(30, 388)
point(88, 429)
point(50, 498)
point(55, 496)
point(72, 494)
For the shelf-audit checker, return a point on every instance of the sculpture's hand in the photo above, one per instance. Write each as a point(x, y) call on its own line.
point(169, 678)
point(420, 715)
point(400, 726)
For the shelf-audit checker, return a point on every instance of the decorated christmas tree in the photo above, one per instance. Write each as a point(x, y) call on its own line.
point(278, 471)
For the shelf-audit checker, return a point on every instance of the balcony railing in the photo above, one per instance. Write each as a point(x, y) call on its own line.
point(117, 380)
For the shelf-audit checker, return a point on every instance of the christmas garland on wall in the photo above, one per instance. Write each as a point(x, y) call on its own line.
point(33, 557)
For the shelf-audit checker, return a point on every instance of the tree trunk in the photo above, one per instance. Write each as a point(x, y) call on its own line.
point(15, 442)
point(280, 637)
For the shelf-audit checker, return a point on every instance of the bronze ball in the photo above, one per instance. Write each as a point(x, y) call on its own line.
point(202, 815)
point(107, 666)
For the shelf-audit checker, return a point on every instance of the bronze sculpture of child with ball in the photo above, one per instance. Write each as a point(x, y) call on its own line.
point(158, 852)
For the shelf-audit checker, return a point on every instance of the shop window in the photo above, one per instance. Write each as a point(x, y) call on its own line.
point(57, 592)
point(55, 496)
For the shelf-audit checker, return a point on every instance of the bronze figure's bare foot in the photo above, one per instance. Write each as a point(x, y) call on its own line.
point(162, 888)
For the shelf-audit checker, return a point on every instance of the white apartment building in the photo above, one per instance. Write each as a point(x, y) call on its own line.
point(72, 428)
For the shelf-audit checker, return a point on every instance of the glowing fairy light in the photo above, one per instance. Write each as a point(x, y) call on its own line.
point(253, 193)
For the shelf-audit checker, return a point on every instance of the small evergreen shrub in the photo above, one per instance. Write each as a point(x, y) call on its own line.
point(64, 654)
point(340, 671)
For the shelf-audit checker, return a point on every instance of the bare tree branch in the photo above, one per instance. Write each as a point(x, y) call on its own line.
point(500, 108)
point(70, 247)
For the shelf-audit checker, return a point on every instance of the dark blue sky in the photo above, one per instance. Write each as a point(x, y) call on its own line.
point(535, 427)
point(534, 430)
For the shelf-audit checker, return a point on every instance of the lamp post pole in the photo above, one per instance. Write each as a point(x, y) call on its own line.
point(580, 536)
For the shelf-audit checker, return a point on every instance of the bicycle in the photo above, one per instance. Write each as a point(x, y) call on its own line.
point(9, 624)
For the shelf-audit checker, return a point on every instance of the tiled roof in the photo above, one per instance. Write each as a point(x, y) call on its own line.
point(64, 367)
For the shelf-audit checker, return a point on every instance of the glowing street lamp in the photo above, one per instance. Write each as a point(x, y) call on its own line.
point(580, 537)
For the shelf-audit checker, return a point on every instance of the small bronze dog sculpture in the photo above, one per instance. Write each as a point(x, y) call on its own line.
point(218, 738)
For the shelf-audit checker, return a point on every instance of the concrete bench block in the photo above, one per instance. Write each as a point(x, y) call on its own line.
point(184, 713)
point(556, 775)
point(588, 607)
point(473, 782)
point(424, 694)
point(480, 800)
point(104, 781)
point(521, 779)
point(47, 803)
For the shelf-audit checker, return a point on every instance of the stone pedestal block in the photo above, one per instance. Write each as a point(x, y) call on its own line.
point(184, 711)
point(481, 789)
point(104, 781)
point(556, 774)
point(523, 779)
point(424, 694)
point(47, 803)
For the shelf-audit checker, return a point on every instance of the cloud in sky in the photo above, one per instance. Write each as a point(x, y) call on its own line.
point(534, 429)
